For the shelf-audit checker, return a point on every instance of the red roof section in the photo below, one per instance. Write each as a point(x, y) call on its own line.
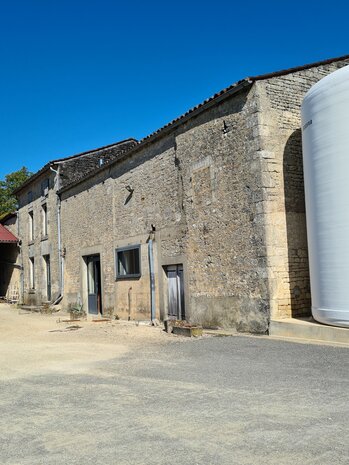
point(6, 235)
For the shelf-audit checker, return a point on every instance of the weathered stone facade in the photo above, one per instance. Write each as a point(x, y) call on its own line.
point(219, 194)
point(39, 242)
point(42, 255)
point(196, 187)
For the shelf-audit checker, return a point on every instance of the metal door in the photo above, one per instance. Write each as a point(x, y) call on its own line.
point(176, 307)
point(94, 284)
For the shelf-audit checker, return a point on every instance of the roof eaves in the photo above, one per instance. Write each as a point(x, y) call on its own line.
point(211, 101)
point(296, 69)
point(216, 98)
point(33, 177)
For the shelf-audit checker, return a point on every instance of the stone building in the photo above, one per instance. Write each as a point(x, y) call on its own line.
point(39, 223)
point(202, 220)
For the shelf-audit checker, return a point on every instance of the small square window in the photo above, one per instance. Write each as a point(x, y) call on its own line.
point(128, 262)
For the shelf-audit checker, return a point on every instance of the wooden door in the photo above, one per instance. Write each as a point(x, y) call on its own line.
point(176, 306)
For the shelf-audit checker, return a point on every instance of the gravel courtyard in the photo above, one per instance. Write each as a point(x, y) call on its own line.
point(117, 394)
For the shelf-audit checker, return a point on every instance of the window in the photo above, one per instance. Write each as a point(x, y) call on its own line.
point(30, 196)
point(47, 270)
point(44, 187)
point(31, 226)
point(31, 273)
point(44, 220)
point(128, 262)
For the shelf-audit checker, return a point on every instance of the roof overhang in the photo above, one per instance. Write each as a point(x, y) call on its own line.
point(210, 102)
point(6, 236)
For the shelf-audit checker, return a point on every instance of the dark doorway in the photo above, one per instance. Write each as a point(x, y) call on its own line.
point(48, 276)
point(94, 286)
point(176, 306)
point(8, 258)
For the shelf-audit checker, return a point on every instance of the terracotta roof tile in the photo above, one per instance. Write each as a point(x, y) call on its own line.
point(6, 235)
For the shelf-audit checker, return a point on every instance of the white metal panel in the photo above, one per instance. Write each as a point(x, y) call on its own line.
point(325, 125)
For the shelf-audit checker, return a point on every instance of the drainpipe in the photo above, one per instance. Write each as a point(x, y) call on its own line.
point(152, 280)
point(129, 303)
point(21, 276)
point(60, 257)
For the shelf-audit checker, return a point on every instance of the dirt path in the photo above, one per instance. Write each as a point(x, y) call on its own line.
point(33, 343)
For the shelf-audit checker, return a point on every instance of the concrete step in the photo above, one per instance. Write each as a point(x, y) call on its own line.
point(308, 328)
point(30, 308)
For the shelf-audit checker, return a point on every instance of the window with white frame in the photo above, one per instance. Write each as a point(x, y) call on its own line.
point(128, 264)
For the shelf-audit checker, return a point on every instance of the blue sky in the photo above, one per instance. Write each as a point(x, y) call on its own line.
point(77, 75)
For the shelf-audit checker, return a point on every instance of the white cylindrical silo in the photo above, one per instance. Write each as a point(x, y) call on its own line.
point(325, 131)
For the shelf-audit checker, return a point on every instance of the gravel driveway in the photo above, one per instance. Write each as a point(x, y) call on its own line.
point(148, 398)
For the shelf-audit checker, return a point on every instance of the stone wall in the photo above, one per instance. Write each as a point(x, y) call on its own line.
point(221, 193)
point(280, 149)
point(225, 243)
point(196, 190)
point(40, 245)
point(100, 215)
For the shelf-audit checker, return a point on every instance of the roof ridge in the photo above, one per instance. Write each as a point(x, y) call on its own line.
point(295, 69)
point(249, 79)
point(235, 87)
